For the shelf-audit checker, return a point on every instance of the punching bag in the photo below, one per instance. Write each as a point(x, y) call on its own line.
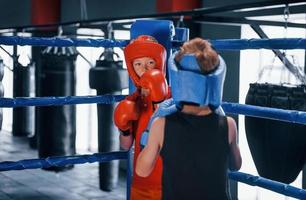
point(108, 77)
point(278, 148)
point(23, 86)
point(57, 124)
point(1, 90)
point(42, 12)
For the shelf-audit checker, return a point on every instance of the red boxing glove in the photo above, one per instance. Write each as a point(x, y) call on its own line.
point(125, 113)
point(155, 81)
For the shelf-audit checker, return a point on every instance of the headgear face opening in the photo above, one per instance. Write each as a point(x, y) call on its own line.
point(144, 46)
point(189, 84)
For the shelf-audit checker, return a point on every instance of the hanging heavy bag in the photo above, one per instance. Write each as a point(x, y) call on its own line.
point(23, 86)
point(56, 129)
point(108, 77)
point(278, 148)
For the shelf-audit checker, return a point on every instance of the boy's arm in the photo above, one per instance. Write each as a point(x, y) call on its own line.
point(235, 156)
point(126, 142)
point(147, 157)
point(125, 113)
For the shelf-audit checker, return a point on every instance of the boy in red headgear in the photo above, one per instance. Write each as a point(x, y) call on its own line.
point(145, 60)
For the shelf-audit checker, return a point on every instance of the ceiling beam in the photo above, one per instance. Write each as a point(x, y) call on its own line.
point(239, 21)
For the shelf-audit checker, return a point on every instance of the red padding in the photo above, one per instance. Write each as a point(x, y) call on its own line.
point(176, 5)
point(45, 11)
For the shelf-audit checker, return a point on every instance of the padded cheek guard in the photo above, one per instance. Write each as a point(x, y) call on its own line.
point(189, 84)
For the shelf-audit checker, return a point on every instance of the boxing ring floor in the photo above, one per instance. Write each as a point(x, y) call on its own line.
point(79, 183)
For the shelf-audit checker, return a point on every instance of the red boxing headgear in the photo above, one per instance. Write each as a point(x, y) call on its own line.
point(144, 46)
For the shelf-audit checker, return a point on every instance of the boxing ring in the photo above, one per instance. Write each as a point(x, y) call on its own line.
point(292, 116)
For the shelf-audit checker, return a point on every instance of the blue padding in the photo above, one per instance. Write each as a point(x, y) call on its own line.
point(58, 101)
point(161, 30)
point(58, 161)
point(275, 186)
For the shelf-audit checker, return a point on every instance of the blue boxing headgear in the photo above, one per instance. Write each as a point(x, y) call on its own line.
point(190, 85)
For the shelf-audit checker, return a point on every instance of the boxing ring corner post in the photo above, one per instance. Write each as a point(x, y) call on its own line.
point(129, 174)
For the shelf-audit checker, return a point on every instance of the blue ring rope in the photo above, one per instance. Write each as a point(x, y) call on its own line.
point(233, 108)
point(292, 116)
point(61, 42)
point(58, 101)
point(59, 161)
point(275, 186)
point(277, 43)
point(225, 44)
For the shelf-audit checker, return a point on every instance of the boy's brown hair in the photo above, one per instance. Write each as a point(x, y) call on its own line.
point(207, 58)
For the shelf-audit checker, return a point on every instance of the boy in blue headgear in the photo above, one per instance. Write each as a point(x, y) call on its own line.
point(196, 144)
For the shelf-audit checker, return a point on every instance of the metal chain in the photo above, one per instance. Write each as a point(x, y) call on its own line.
point(286, 17)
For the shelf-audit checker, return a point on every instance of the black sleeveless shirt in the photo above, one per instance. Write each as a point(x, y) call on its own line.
point(195, 154)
